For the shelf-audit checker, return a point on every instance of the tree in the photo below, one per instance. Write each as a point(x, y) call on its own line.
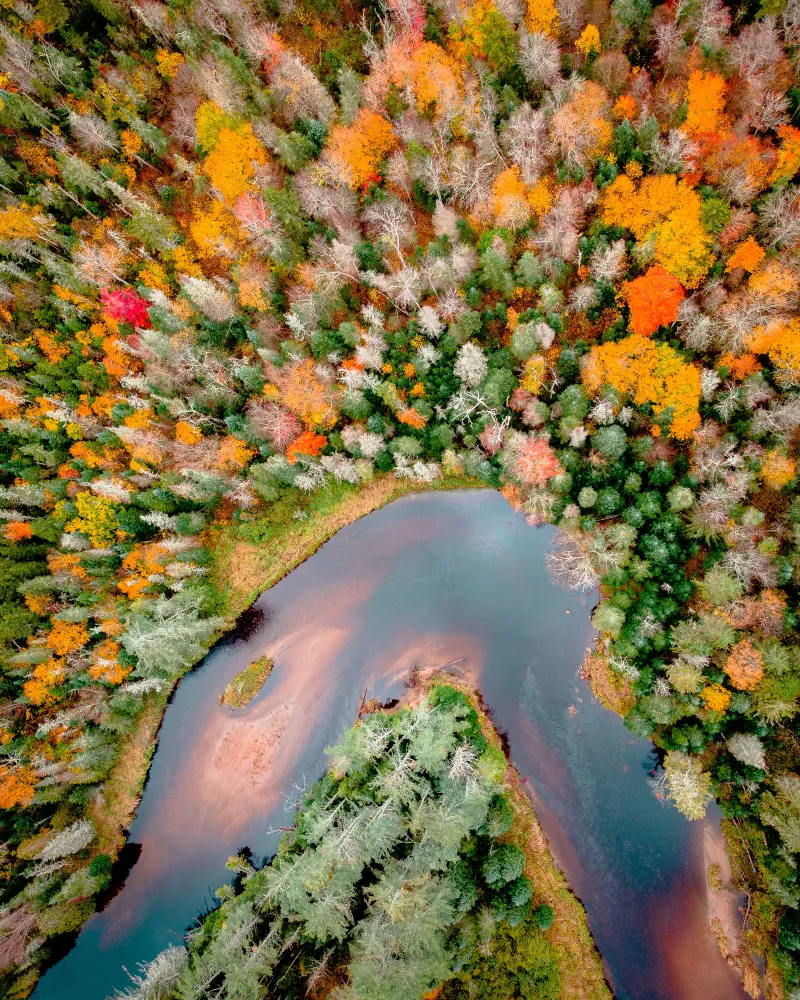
point(167, 635)
point(688, 785)
point(654, 299)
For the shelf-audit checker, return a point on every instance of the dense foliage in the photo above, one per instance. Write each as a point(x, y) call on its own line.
point(395, 877)
point(245, 252)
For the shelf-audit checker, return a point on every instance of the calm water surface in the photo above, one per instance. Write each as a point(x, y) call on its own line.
point(429, 580)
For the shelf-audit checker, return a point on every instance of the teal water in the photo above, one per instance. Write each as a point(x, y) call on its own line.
point(433, 579)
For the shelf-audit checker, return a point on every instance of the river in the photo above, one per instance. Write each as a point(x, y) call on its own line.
point(432, 579)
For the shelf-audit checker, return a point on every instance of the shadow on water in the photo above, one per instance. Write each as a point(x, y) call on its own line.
point(449, 578)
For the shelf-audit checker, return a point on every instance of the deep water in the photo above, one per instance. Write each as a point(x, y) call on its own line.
point(433, 579)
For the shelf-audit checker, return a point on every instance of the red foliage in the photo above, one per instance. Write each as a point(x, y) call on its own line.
point(125, 306)
point(308, 443)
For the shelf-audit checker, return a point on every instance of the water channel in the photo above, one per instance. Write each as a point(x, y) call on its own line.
point(439, 578)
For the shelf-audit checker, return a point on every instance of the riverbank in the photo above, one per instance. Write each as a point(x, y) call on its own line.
point(582, 972)
point(253, 555)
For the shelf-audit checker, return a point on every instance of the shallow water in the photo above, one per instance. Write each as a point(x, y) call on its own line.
point(433, 579)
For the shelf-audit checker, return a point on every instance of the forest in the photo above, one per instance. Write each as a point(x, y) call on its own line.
point(255, 252)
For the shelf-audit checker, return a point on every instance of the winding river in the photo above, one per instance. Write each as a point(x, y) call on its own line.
point(433, 579)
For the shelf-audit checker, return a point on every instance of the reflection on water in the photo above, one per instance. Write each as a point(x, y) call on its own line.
point(435, 579)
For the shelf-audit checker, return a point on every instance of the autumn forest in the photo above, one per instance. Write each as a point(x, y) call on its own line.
point(258, 256)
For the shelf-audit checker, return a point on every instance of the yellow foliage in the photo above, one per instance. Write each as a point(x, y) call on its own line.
point(777, 469)
point(229, 166)
point(169, 63)
point(534, 374)
point(716, 697)
point(509, 199)
point(96, 518)
point(540, 196)
point(214, 230)
point(666, 210)
point(683, 247)
point(311, 399)
point(590, 39)
point(209, 121)
point(23, 223)
point(648, 372)
point(154, 276)
point(542, 16)
point(233, 453)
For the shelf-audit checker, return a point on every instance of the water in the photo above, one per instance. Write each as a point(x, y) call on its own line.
point(429, 580)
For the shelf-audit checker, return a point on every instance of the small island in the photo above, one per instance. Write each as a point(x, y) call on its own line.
point(247, 683)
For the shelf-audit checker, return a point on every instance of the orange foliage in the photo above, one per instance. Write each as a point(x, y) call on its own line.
point(626, 107)
point(356, 151)
point(434, 76)
point(65, 637)
point(233, 454)
point(764, 614)
point(744, 666)
point(580, 126)
point(413, 418)
point(777, 470)
point(653, 299)
point(39, 688)
point(774, 281)
point(17, 531)
point(187, 433)
point(740, 367)
point(308, 397)
point(52, 350)
point(788, 161)
point(308, 443)
point(747, 255)
point(16, 787)
point(648, 373)
point(106, 667)
point(705, 93)
point(780, 341)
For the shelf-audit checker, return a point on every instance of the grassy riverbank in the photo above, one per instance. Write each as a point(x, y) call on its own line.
point(253, 555)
